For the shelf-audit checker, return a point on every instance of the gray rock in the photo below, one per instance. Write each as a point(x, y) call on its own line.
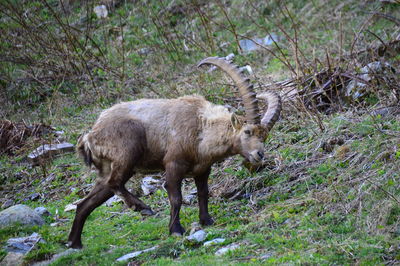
point(13, 259)
point(42, 211)
point(23, 244)
point(226, 249)
point(44, 152)
point(198, 236)
point(20, 214)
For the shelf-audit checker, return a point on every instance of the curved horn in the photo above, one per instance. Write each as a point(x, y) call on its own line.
point(245, 88)
point(273, 111)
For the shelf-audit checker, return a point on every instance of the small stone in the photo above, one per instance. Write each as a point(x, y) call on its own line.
point(42, 211)
point(150, 184)
point(229, 57)
point(190, 197)
point(20, 214)
point(135, 254)
point(70, 207)
point(247, 69)
point(214, 241)
point(46, 151)
point(198, 236)
point(226, 249)
point(113, 201)
point(59, 133)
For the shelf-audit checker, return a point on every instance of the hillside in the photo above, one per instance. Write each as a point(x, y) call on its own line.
point(328, 191)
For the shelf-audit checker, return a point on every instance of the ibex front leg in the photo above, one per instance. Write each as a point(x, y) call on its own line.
point(202, 195)
point(174, 176)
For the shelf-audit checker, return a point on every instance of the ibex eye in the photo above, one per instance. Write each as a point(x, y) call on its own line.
point(247, 132)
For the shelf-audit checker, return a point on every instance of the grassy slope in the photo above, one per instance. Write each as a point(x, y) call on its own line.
point(318, 205)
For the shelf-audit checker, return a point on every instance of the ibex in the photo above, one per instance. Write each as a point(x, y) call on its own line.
point(182, 136)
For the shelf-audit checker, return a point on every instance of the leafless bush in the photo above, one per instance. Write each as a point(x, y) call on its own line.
point(41, 48)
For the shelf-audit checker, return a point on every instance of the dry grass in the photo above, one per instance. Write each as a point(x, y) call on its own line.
point(14, 136)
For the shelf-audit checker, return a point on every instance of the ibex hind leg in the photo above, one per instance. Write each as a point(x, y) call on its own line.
point(134, 202)
point(95, 198)
point(129, 149)
point(119, 175)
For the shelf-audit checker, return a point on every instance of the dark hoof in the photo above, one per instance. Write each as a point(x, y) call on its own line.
point(74, 245)
point(147, 212)
point(177, 230)
point(207, 221)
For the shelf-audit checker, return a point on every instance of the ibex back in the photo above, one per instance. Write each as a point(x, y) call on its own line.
point(183, 136)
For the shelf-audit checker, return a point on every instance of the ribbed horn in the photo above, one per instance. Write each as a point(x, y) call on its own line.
point(246, 90)
point(273, 111)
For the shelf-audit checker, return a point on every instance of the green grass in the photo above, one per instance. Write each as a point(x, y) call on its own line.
point(305, 225)
point(310, 221)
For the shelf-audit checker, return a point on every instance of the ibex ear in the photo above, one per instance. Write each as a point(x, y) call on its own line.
point(236, 123)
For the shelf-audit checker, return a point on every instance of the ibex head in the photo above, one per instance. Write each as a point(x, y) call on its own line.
point(250, 135)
